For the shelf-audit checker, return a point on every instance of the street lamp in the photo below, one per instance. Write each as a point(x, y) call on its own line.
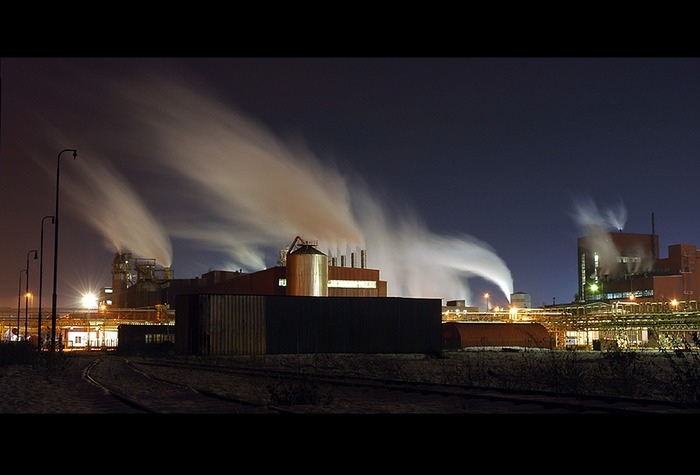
point(41, 278)
point(19, 302)
point(55, 249)
point(26, 295)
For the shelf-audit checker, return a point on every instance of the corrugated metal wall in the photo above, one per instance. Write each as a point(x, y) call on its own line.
point(267, 324)
point(220, 324)
point(354, 325)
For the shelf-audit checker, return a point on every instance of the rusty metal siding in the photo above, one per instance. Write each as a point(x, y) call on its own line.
point(343, 292)
point(352, 273)
point(457, 335)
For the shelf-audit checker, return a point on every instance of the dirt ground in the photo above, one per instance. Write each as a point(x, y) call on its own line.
point(33, 389)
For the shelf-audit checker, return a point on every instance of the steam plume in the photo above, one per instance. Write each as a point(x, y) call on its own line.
point(226, 183)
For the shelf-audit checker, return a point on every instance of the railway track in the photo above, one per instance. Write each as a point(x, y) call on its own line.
point(151, 385)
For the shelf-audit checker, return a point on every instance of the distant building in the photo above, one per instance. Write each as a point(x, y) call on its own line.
point(617, 266)
point(302, 270)
point(520, 300)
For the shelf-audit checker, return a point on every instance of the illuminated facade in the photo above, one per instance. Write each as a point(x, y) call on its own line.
point(626, 266)
point(301, 270)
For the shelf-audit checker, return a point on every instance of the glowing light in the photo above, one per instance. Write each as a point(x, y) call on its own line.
point(88, 301)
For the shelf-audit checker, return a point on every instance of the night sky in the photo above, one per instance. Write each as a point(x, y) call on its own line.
point(458, 176)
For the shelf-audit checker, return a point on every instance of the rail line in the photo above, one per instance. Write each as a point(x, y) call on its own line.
point(148, 385)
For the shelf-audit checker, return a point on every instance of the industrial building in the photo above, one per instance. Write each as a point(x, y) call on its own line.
point(276, 309)
point(616, 266)
point(301, 270)
point(226, 325)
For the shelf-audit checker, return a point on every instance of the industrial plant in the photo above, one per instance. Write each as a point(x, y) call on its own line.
point(627, 296)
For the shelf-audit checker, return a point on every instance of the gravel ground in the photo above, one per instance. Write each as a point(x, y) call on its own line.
point(40, 389)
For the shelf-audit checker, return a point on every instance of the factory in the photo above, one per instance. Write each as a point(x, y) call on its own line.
point(278, 309)
point(301, 270)
point(618, 266)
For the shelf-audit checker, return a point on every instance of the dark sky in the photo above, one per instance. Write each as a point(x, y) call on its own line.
point(458, 176)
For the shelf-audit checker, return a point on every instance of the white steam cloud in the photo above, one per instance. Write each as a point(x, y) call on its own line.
point(228, 184)
point(418, 263)
point(599, 224)
point(591, 220)
point(109, 203)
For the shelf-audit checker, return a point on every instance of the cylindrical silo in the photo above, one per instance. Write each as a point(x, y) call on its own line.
point(307, 270)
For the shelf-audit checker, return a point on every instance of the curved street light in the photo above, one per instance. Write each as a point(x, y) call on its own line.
point(41, 279)
point(26, 295)
point(55, 248)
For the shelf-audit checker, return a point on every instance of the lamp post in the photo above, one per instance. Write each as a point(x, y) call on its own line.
point(55, 248)
point(19, 302)
point(26, 295)
point(41, 279)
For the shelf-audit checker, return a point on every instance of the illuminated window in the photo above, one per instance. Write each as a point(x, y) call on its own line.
point(344, 284)
point(627, 259)
point(353, 284)
point(155, 338)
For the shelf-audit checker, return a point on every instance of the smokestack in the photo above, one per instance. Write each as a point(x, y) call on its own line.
point(333, 261)
point(363, 259)
point(653, 230)
point(342, 261)
point(352, 260)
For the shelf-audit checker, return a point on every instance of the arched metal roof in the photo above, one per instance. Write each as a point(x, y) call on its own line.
point(456, 335)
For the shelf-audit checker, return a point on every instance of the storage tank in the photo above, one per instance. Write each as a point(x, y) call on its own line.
point(307, 269)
